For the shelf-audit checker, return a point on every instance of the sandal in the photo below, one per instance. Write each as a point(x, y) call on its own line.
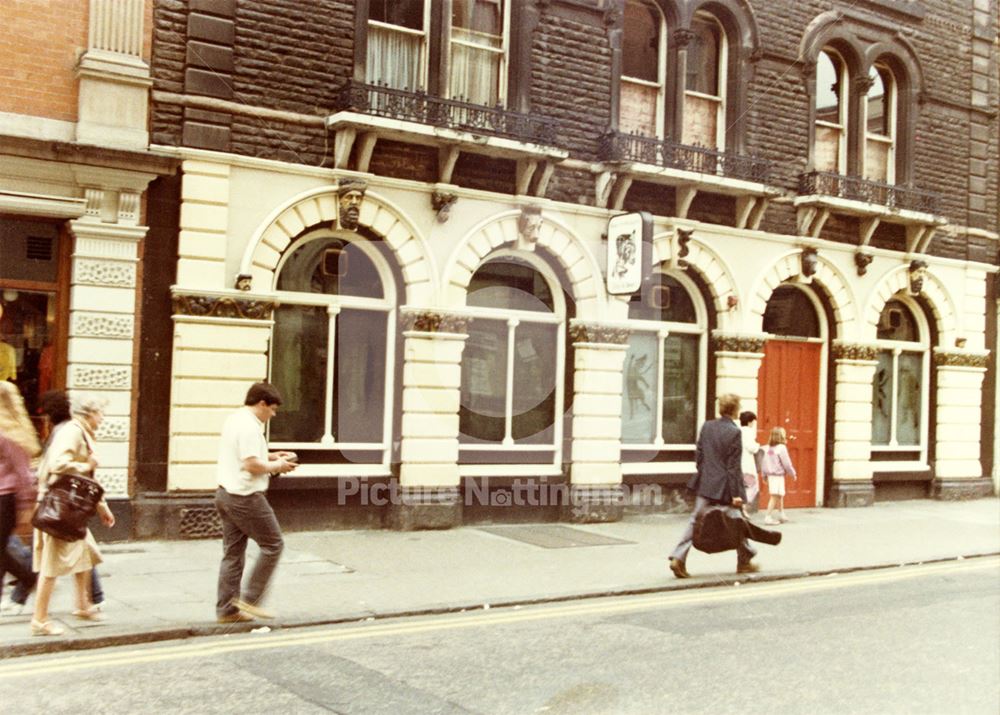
point(46, 629)
point(90, 614)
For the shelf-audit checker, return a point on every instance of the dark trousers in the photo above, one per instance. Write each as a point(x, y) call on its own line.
point(8, 520)
point(246, 517)
point(744, 551)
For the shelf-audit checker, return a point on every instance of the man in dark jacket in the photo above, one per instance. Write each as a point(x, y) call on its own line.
point(718, 480)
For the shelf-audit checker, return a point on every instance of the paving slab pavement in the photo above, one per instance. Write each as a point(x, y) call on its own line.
point(159, 590)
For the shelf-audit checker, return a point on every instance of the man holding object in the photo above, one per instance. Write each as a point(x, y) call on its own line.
point(244, 470)
point(718, 480)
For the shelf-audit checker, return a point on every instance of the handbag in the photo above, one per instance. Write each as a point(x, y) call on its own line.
point(67, 506)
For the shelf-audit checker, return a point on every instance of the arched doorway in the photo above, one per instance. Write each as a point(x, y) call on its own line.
point(789, 386)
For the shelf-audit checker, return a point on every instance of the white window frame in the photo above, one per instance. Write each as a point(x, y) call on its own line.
point(896, 347)
point(890, 140)
point(334, 305)
point(663, 330)
point(503, 51)
point(507, 449)
point(423, 33)
point(661, 70)
point(720, 99)
point(841, 127)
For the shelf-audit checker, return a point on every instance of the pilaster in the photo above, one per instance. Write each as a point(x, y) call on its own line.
point(958, 472)
point(738, 359)
point(854, 371)
point(204, 225)
point(596, 472)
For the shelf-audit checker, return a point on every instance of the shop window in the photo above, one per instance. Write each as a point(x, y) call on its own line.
point(831, 113)
point(663, 374)
point(880, 126)
point(511, 390)
point(643, 79)
point(331, 351)
point(898, 399)
point(704, 106)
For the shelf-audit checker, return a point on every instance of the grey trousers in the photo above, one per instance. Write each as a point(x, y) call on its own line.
point(744, 552)
point(245, 517)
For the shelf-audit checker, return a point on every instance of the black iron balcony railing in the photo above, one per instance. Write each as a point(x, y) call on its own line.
point(825, 183)
point(616, 146)
point(409, 106)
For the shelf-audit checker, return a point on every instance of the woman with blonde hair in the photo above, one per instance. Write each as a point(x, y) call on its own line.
point(776, 465)
point(70, 451)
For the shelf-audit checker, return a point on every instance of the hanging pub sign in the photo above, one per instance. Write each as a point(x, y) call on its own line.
point(627, 256)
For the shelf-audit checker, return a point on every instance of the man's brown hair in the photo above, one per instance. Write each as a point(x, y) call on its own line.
point(729, 405)
point(263, 391)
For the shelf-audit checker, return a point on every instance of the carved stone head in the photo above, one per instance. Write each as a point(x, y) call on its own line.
point(350, 195)
point(810, 262)
point(917, 271)
point(529, 223)
point(243, 281)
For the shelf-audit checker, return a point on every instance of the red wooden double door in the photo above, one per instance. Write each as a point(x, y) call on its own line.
point(788, 396)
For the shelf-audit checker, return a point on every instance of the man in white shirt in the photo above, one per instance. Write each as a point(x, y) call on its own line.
point(244, 471)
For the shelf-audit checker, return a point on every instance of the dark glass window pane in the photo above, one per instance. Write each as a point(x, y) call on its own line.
point(639, 389)
point(509, 284)
point(27, 352)
point(640, 50)
point(897, 322)
point(828, 89)
point(484, 381)
point(359, 388)
point(790, 312)
point(878, 101)
point(478, 15)
point(534, 383)
point(703, 57)
point(29, 250)
point(908, 398)
point(406, 13)
point(333, 267)
point(882, 388)
point(666, 300)
point(298, 370)
point(680, 389)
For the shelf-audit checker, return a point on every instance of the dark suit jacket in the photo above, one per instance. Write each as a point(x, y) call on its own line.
point(717, 459)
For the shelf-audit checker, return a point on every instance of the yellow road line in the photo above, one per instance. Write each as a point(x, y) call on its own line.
point(613, 605)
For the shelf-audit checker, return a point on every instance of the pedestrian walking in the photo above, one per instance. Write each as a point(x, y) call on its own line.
point(718, 480)
point(244, 469)
point(776, 465)
point(748, 460)
point(70, 451)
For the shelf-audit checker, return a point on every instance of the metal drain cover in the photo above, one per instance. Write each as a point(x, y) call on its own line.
point(553, 536)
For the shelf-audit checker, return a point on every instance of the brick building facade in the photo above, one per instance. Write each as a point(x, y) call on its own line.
point(399, 213)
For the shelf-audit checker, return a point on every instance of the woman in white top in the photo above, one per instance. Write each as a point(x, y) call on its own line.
point(748, 462)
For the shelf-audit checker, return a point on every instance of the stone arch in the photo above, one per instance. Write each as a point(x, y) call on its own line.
point(319, 206)
point(836, 290)
point(580, 267)
point(714, 271)
point(829, 30)
point(942, 306)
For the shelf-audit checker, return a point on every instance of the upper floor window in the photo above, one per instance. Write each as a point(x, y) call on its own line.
point(644, 70)
point(831, 112)
point(397, 43)
point(704, 99)
point(880, 126)
point(478, 51)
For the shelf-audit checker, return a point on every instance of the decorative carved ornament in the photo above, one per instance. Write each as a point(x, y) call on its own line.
point(854, 351)
point(95, 325)
point(441, 202)
point(598, 333)
point(429, 321)
point(682, 37)
point(861, 261)
point(952, 358)
point(737, 344)
point(210, 306)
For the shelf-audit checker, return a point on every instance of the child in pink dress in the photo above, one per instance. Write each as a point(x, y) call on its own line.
point(776, 466)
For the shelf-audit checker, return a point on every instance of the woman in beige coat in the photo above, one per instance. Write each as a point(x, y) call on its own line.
point(71, 450)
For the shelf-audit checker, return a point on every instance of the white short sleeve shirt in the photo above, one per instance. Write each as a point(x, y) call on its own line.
point(242, 437)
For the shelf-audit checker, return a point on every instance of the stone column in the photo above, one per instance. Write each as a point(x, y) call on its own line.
point(958, 472)
point(429, 494)
point(737, 364)
point(596, 471)
point(101, 334)
point(852, 431)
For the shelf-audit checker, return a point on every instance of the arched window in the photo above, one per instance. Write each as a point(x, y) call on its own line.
point(831, 112)
point(332, 351)
point(880, 126)
point(899, 390)
point(479, 38)
point(512, 364)
point(704, 85)
point(644, 70)
point(663, 378)
point(397, 43)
